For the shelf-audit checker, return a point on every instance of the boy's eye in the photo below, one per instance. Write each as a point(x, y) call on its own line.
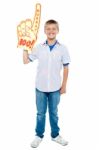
point(48, 29)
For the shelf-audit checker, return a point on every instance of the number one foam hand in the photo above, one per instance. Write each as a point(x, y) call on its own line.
point(27, 30)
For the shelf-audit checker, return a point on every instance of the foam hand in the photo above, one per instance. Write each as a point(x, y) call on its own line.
point(27, 30)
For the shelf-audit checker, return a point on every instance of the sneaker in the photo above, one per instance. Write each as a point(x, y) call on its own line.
point(36, 142)
point(60, 140)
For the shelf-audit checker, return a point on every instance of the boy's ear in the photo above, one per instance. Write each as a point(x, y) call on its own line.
point(44, 30)
point(57, 31)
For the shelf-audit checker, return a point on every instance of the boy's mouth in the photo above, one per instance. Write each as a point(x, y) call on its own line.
point(51, 34)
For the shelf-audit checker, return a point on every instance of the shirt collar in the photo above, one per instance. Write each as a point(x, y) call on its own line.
point(46, 44)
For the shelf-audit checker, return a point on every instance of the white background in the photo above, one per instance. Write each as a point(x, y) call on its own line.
point(79, 108)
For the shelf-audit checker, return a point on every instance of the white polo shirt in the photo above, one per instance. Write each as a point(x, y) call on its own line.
point(50, 63)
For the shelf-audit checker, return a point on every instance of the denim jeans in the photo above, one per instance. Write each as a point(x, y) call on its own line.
point(44, 99)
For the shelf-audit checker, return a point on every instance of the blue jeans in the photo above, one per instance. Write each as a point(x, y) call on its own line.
point(44, 99)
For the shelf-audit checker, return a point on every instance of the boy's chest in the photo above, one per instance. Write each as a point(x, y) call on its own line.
point(46, 55)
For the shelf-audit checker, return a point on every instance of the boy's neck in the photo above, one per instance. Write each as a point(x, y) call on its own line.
point(51, 41)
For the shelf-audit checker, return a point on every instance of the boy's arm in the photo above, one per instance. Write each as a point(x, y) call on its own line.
point(64, 82)
point(25, 57)
point(30, 57)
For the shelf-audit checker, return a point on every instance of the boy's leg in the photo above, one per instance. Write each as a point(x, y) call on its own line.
point(53, 101)
point(41, 104)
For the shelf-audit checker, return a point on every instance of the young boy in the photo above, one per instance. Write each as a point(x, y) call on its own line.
point(51, 56)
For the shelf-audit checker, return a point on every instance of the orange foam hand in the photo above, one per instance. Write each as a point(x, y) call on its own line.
point(27, 30)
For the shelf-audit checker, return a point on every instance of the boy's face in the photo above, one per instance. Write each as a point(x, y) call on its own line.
point(51, 31)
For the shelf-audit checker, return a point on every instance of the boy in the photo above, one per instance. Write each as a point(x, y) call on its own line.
point(51, 56)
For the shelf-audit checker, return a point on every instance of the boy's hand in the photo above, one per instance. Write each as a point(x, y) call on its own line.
point(27, 30)
point(63, 89)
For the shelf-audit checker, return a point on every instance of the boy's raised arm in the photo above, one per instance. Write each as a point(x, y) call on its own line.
point(25, 57)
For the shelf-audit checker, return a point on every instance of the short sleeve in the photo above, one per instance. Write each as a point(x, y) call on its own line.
point(34, 54)
point(65, 56)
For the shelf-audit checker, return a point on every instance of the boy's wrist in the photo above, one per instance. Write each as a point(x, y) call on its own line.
point(64, 84)
point(24, 50)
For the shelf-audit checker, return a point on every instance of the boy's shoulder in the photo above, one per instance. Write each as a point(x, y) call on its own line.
point(40, 45)
point(62, 45)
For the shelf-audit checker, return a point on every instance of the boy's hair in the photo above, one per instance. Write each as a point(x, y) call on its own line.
point(51, 21)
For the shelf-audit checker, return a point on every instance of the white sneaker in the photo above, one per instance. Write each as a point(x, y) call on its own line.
point(60, 140)
point(36, 142)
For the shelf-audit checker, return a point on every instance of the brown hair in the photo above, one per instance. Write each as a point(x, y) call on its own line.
point(52, 22)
